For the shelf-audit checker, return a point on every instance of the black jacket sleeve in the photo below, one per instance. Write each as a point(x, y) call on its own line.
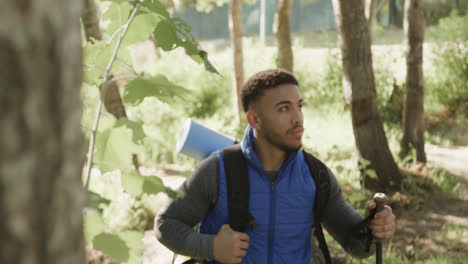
point(175, 222)
point(345, 224)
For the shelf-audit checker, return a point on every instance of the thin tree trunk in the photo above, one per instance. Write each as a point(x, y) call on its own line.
point(413, 110)
point(283, 35)
point(262, 21)
point(370, 14)
point(235, 28)
point(395, 16)
point(41, 158)
point(358, 73)
point(90, 21)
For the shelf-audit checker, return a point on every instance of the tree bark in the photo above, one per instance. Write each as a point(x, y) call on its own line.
point(358, 73)
point(90, 21)
point(235, 28)
point(41, 157)
point(283, 35)
point(262, 21)
point(370, 14)
point(413, 110)
point(395, 16)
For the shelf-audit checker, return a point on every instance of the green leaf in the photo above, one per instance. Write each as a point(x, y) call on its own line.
point(165, 34)
point(202, 56)
point(106, 122)
point(96, 59)
point(116, 16)
point(95, 200)
point(116, 1)
point(173, 33)
point(356, 197)
point(140, 29)
point(134, 241)
point(173, 194)
point(137, 185)
point(156, 7)
point(114, 149)
point(93, 225)
point(372, 174)
point(138, 134)
point(339, 169)
point(158, 86)
point(112, 245)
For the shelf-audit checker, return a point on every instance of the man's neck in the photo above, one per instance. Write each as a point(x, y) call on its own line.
point(270, 156)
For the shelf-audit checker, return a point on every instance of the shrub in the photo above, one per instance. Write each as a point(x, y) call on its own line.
point(448, 82)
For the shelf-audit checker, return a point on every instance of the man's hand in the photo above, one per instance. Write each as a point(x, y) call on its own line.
point(230, 246)
point(383, 223)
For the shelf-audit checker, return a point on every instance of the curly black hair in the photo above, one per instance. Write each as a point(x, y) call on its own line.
point(254, 87)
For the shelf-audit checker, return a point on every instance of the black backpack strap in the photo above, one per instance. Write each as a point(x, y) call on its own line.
point(238, 188)
point(322, 182)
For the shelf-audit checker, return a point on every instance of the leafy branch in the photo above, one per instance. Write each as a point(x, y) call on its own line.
point(103, 91)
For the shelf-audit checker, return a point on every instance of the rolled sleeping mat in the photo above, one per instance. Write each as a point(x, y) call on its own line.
point(199, 142)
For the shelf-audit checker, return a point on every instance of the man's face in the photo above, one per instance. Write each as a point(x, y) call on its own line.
point(279, 116)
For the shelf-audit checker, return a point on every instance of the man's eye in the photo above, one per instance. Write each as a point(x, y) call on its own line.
point(283, 108)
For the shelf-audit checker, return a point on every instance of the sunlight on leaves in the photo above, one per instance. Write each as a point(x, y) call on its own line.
point(158, 86)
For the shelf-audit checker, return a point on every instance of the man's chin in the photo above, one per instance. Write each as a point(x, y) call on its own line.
point(294, 148)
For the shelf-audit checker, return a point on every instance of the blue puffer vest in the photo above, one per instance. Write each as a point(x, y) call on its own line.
point(283, 209)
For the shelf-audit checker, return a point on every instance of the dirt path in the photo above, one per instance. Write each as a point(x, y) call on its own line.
point(437, 223)
point(452, 159)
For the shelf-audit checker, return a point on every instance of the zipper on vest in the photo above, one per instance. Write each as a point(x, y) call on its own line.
point(271, 227)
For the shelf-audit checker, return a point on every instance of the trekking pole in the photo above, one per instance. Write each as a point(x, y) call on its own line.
point(380, 199)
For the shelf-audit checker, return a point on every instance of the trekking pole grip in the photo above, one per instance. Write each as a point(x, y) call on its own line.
point(380, 199)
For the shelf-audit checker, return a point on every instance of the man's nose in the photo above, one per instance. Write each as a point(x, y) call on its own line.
point(298, 117)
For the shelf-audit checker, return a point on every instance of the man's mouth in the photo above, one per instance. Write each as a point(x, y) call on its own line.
point(297, 131)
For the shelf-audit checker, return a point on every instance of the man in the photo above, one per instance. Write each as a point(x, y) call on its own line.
point(282, 191)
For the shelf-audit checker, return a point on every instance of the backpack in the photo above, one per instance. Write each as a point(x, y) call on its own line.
point(237, 180)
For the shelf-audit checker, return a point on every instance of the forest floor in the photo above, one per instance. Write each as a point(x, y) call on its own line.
point(430, 222)
point(436, 222)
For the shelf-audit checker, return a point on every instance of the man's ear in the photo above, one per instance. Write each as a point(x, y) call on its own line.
point(253, 119)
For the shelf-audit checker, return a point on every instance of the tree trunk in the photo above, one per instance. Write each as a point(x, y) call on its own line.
point(262, 21)
point(358, 73)
point(413, 110)
point(283, 35)
point(395, 16)
point(370, 14)
point(90, 21)
point(235, 28)
point(41, 157)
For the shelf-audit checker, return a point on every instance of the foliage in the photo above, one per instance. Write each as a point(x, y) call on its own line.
point(436, 10)
point(449, 79)
point(207, 6)
point(123, 246)
point(326, 88)
point(118, 140)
